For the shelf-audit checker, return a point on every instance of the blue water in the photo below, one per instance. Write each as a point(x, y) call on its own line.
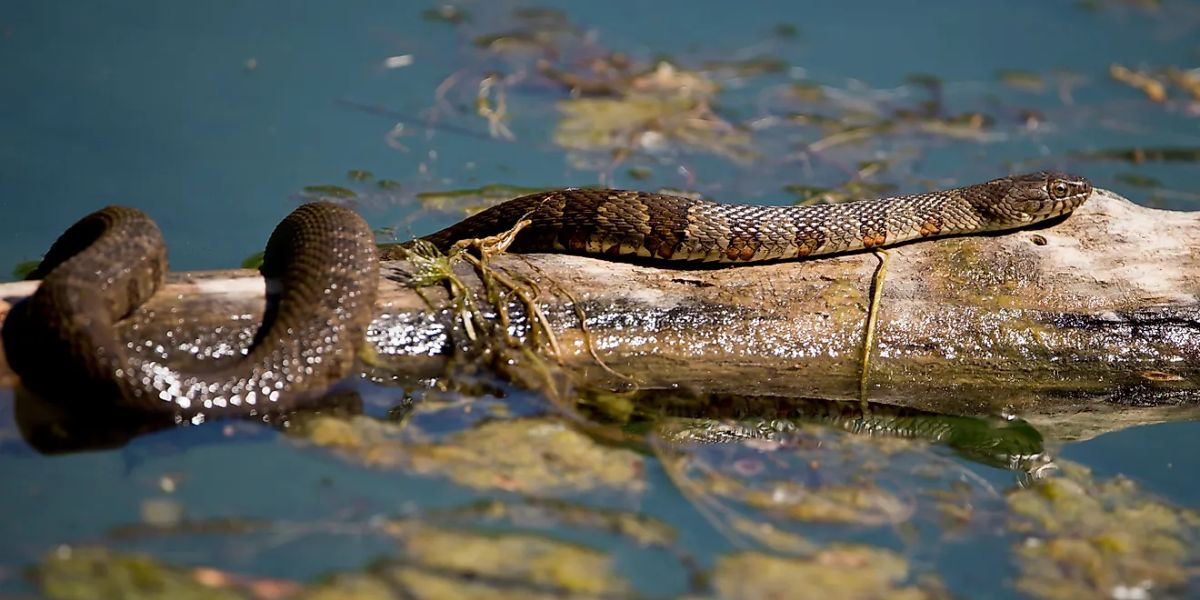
point(213, 116)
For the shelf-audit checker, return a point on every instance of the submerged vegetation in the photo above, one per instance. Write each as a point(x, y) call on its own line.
point(671, 120)
point(1086, 538)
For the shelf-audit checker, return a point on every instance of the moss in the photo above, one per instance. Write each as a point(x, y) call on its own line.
point(515, 41)
point(529, 456)
point(852, 572)
point(536, 559)
point(640, 528)
point(352, 586)
point(639, 173)
point(334, 432)
point(523, 455)
point(615, 407)
point(999, 279)
point(468, 201)
point(787, 31)
point(329, 191)
point(439, 563)
point(663, 107)
point(1021, 80)
point(445, 563)
point(831, 503)
point(88, 573)
point(1086, 538)
point(25, 268)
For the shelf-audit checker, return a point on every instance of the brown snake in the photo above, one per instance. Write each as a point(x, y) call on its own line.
point(63, 343)
point(671, 228)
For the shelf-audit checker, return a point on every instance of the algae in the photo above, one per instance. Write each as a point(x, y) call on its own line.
point(86, 573)
point(1022, 80)
point(850, 572)
point(528, 456)
point(469, 201)
point(329, 192)
point(1086, 537)
point(24, 269)
point(535, 561)
point(436, 562)
point(646, 122)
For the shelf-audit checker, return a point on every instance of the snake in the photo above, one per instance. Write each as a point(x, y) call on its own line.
point(63, 343)
point(62, 340)
point(667, 228)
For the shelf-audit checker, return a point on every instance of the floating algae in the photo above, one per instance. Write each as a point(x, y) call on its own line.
point(436, 563)
point(1085, 538)
point(531, 456)
point(86, 573)
point(447, 563)
point(324, 192)
point(851, 572)
point(469, 201)
point(646, 122)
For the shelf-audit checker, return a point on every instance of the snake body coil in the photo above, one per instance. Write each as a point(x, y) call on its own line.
point(62, 340)
point(672, 228)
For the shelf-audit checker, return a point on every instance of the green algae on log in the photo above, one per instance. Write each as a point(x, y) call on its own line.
point(1083, 317)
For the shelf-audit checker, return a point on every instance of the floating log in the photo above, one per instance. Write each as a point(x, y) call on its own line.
point(1083, 317)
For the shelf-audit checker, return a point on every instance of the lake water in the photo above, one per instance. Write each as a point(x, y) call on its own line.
point(218, 117)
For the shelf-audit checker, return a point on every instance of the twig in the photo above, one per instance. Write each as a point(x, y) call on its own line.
point(869, 334)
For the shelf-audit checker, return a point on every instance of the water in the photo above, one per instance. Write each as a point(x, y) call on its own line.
point(214, 116)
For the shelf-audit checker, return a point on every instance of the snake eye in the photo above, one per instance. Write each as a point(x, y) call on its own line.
point(1059, 189)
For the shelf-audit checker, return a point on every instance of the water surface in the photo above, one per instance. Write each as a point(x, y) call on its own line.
point(215, 116)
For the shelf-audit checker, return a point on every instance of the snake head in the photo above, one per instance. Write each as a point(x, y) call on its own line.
point(1042, 195)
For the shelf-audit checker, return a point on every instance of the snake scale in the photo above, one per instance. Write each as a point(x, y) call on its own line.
point(62, 341)
point(672, 228)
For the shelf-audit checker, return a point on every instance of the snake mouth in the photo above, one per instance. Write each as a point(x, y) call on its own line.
point(1041, 211)
point(1074, 202)
point(1060, 209)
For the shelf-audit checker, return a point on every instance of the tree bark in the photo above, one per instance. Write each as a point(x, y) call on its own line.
point(1094, 312)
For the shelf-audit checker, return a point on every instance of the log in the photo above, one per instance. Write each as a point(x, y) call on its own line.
point(1082, 317)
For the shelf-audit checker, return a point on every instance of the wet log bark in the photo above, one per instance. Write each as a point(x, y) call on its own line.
point(1098, 310)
